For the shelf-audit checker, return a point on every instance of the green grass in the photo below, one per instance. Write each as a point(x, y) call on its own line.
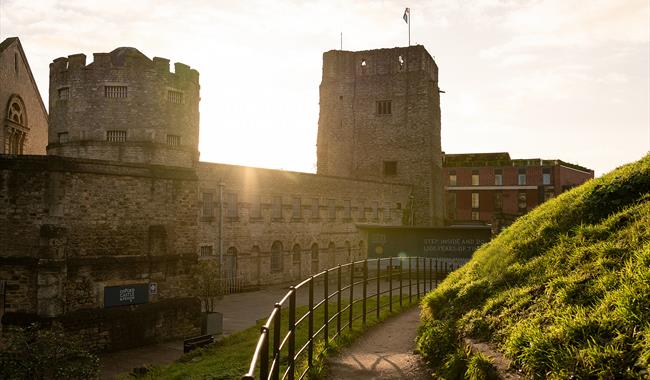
point(230, 357)
point(564, 291)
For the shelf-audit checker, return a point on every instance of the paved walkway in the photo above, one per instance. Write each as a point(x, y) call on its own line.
point(383, 352)
point(240, 311)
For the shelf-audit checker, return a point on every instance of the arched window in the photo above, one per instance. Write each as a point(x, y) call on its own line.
point(314, 258)
point(296, 254)
point(362, 251)
point(276, 256)
point(331, 252)
point(348, 249)
point(15, 126)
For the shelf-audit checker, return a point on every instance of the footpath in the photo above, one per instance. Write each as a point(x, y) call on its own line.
point(385, 351)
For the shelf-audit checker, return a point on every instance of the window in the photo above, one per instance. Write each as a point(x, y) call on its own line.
point(16, 63)
point(256, 207)
point(206, 250)
point(451, 205)
point(115, 92)
point(384, 107)
point(296, 209)
point(331, 253)
point(63, 137)
point(173, 140)
point(314, 258)
point(521, 177)
point(276, 205)
point(206, 209)
point(521, 201)
point(452, 178)
point(400, 60)
point(475, 179)
point(116, 136)
point(390, 167)
point(315, 208)
point(276, 256)
point(231, 202)
point(364, 63)
point(15, 131)
point(498, 177)
point(64, 93)
point(476, 215)
point(498, 201)
point(175, 96)
point(375, 210)
point(546, 176)
point(548, 194)
point(347, 209)
point(295, 257)
point(475, 199)
point(331, 208)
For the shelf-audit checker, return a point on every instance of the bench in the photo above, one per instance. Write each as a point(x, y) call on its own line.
point(193, 343)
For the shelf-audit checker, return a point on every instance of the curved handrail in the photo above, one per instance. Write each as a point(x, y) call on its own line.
point(270, 362)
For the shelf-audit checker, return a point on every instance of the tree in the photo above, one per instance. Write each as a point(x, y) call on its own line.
point(209, 283)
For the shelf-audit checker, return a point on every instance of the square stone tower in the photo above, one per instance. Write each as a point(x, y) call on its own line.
point(380, 120)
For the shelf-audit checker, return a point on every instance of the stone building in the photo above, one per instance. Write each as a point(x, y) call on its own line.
point(23, 118)
point(121, 202)
point(493, 188)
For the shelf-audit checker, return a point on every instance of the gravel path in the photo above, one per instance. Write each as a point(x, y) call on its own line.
point(384, 352)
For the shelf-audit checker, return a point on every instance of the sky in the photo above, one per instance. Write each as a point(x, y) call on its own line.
point(538, 79)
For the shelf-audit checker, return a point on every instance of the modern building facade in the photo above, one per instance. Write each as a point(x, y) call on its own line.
point(494, 189)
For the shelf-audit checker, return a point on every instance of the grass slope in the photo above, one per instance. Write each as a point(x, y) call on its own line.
point(564, 291)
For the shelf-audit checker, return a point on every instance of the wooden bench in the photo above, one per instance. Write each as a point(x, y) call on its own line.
point(193, 343)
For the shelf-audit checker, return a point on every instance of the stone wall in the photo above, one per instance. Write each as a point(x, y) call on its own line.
point(124, 91)
point(289, 215)
point(382, 107)
point(70, 227)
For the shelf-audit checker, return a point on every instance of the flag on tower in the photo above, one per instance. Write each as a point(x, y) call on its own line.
point(407, 15)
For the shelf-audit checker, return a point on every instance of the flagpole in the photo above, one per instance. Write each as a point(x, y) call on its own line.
point(409, 26)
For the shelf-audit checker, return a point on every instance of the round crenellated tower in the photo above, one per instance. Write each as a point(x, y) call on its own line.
point(124, 107)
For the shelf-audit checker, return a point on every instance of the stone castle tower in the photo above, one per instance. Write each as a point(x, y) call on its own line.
point(124, 107)
point(380, 120)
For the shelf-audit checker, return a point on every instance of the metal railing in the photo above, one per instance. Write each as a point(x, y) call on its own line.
point(391, 276)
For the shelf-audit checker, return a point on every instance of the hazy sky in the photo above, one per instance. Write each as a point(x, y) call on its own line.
point(549, 79)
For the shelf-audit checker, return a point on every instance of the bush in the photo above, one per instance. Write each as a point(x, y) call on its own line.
point(46, 353)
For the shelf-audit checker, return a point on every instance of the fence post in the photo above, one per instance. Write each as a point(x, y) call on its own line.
point(310, 323)
point(351, 295)
point(338, 301)
point(275, 375)
point(417, 276)
point(410, 282)
point(264, 359)
point(326, 301)
point(436, 273)
point(291, 350)
point(401, 284)
point(378, 286)
point(430, 273)
point(390, 284)
point(365, 290)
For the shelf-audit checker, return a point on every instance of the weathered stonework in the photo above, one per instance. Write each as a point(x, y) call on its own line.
point(356, 136)
point(124, 91)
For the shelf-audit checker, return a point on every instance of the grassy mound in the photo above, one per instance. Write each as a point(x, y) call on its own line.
point(564, 291)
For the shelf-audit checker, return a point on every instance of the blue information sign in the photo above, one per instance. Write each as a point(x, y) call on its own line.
point(126, 295)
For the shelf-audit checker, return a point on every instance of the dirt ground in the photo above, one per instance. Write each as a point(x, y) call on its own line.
point(383, 352)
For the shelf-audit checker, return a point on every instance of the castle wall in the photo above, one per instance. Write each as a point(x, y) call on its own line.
point(70, 227)
point(124, 92)
point(381, 108)
point(298, 210)
point(16, 79)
